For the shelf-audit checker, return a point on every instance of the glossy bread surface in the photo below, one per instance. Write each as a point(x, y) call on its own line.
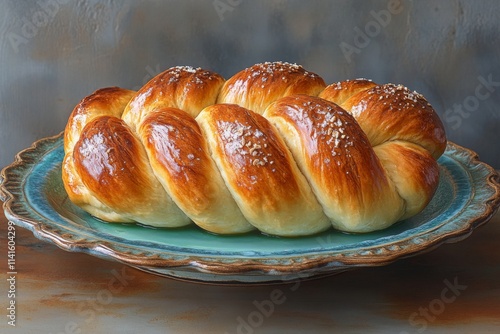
point(278, 149)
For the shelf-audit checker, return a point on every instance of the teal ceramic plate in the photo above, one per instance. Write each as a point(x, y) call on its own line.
point(34, 198)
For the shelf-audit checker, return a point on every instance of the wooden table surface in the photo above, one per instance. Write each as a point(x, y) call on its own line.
point(453, 289)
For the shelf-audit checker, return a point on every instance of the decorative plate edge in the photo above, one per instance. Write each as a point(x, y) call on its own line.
point(27, 158)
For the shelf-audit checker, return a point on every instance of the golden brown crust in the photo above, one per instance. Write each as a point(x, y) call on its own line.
point(393, 112)
point(405, 131)
point(260, 172)
point(114, 167)
point(105, 101)
point(341, 91)
point(254, 153)
point(179, 155)
point(360, 155)
point(108, 157)
point(337, 159)
point(80, 195)
point(413, 171)
point(258, 86)
point(173, 140)
point(183, 87)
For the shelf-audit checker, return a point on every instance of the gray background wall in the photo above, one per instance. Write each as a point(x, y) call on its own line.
point(54, 52)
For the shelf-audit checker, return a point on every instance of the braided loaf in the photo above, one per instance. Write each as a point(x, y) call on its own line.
point(272, 148)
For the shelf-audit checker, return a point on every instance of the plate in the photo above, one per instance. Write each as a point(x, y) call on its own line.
point(34, 198)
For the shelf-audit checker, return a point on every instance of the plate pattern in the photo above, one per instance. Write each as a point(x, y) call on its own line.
point(34, 198)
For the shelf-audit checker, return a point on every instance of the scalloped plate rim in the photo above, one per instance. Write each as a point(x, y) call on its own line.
point(319, 264)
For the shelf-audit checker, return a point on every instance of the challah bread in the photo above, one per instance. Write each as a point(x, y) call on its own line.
point(258, 86)
point(104, 102)
point(390, 112)
point(114, 166)
point(338, 161)
point(405, 132)
point(183, 87)
point(272, 148)
point(180, 158)
point(260, 172)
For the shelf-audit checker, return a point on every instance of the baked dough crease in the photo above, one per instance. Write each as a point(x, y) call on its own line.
point(273, 149)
